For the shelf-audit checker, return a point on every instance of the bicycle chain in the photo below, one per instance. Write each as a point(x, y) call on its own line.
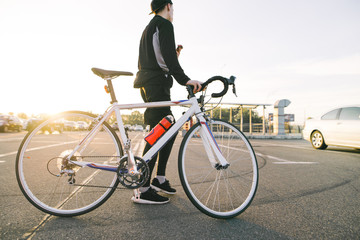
point(97, 186)
point(98, 156)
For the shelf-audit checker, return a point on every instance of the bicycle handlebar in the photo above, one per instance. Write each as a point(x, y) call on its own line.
point(215, 78)
point(225, 81)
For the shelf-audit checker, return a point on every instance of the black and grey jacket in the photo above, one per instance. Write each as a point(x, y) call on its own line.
point(157, 56)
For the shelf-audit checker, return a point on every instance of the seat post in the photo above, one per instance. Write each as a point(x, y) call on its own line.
point(112, 92)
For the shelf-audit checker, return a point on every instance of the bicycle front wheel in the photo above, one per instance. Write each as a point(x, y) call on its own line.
point(60, 188)
point(217, 192)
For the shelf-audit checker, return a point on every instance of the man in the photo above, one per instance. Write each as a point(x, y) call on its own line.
point(158, 62)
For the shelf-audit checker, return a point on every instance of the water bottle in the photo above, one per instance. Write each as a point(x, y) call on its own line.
point(159, 129)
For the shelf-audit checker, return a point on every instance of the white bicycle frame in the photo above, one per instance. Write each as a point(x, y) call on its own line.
point(208, 139)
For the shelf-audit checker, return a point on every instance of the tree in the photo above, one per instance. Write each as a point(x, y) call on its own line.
point(236, 115)
point(135, 118)
point(22, 115)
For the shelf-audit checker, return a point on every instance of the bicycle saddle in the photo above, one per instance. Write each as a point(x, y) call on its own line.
point(106, 74)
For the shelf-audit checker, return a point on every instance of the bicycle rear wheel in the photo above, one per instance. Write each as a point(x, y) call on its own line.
point(219, 193)
point(41, 157)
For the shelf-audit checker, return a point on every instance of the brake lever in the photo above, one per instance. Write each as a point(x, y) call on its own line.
point(231, 81)
point(234, 90)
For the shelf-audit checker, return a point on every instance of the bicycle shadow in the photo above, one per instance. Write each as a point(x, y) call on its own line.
point(178, 219)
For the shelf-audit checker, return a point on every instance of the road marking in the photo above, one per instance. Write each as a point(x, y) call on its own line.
point(282, 145)
point(283, 161)
point(2, 161)
point(29, 234)
point(279, 160)
point(139, 147)
point(10, 139)
point(7, 154)
point(139, 144)
point(295, 162)
point(309, 148)
point(36, 148)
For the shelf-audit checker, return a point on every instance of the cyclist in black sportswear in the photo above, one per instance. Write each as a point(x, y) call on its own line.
point(158, 63)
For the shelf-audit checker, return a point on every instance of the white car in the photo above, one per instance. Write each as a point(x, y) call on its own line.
point(81, 125)
point(139, 128)
point(339, 127)
point(70, 125)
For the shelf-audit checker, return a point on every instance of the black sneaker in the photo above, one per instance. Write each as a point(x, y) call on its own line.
point(150, 197)
point(164, 187)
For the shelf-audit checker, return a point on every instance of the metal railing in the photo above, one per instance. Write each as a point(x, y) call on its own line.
point(265, 127)
point(245, 127)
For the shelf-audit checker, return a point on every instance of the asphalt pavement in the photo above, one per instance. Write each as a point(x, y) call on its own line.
point(303, 193)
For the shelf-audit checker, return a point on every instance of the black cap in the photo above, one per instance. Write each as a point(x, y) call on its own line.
point(157, 4)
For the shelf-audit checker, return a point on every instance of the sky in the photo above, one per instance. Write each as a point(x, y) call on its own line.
point(305, 51)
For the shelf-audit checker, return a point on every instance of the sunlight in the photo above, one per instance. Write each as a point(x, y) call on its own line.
point(50, 72)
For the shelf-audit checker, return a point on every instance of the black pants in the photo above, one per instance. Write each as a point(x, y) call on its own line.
point(152, 117)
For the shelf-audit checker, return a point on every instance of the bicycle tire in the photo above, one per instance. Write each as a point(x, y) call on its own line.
point(39, 157)
point(222, 193)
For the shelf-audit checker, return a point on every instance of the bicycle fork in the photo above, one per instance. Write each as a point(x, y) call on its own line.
point(211, 147)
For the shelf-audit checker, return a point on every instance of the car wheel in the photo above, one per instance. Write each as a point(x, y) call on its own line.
point(317, 140)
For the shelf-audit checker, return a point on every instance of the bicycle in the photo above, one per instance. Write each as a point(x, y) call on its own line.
point(69, 172)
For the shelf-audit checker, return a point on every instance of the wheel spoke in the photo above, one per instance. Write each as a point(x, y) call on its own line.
point(39, 165)
point(221, 193)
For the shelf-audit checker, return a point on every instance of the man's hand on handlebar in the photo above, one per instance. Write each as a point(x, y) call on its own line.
point(196, 84)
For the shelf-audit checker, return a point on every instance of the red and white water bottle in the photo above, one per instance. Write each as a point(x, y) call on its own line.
point(159, 129)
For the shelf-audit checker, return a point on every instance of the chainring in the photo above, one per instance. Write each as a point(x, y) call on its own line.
point(133, 181)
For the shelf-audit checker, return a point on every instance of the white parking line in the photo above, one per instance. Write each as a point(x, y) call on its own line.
point(282, 145)
point(279, 160)
point(29, 234)
point(139, 146)
point(36, 148)
point(7, 154)
point(10, 139)
point(283, 161)
point(295, 162)
point(137, 150)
